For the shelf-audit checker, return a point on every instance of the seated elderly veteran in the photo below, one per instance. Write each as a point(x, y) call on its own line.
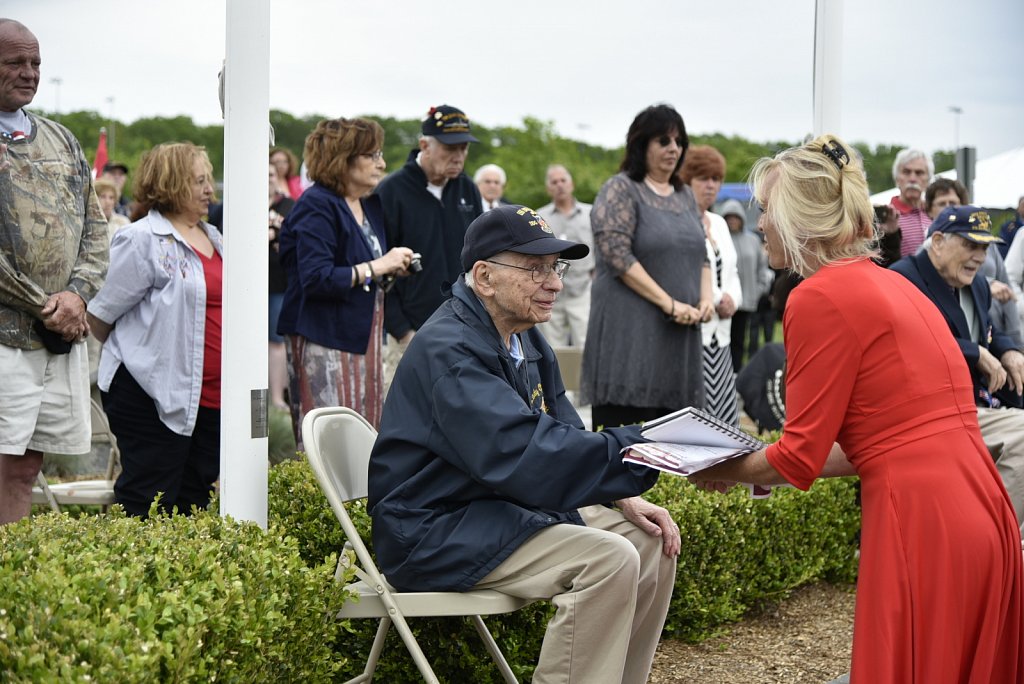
point(948, 272)
point(483, 475)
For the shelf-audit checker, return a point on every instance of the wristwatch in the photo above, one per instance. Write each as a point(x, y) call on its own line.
point(367, 276)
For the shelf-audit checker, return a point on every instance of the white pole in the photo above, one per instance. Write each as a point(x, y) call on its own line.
point(828, 66)
point(243, 447)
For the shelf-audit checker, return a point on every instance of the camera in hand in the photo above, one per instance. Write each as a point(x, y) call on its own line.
point(415, 266)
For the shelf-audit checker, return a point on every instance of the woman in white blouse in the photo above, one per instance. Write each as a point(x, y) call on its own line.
point(703, 170)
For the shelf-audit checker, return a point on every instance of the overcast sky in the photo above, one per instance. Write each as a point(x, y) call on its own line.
point(735, 67)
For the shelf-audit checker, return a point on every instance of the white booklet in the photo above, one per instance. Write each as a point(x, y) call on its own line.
point(689, 441)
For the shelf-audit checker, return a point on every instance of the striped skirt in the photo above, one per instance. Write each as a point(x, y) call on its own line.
point(720, 384)
point(319, 376)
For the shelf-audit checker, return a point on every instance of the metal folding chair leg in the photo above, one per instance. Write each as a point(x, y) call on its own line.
point(375, 650)
point(45, 486)
point(494, 650)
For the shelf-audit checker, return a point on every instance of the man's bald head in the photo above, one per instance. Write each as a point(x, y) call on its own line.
point(19, 65)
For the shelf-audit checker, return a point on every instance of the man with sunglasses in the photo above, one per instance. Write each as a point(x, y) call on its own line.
point(483, 475)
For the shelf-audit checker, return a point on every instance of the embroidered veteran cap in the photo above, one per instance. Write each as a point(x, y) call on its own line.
point(514, 228)
point(969, 222)
point(448, 124)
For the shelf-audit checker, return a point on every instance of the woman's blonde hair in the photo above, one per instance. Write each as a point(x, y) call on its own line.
point(102, 185)
point(819, 203)
point(164, 179)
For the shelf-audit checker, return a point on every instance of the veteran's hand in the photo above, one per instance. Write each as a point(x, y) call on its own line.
point(654, 520)
point(990, 367)
point(1013, 362)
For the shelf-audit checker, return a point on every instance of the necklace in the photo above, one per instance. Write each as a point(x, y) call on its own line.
point(184, 227)
point(660, 188)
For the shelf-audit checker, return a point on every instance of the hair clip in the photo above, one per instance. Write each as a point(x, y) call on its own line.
point(836, 153)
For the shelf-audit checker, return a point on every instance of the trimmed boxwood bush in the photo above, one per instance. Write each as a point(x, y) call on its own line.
point(181, 599)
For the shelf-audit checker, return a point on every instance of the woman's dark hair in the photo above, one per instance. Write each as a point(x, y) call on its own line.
point(940, 186)
point(654, 121)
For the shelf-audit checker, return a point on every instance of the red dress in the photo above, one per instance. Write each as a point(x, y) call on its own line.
point(871, 364)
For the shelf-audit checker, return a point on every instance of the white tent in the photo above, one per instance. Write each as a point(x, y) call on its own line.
point(998, 181)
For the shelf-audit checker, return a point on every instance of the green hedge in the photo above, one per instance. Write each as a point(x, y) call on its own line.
point(115, 599)
point(201, 599)
point(736, 553)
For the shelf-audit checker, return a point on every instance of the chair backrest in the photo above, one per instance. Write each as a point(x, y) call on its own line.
point(338, 442)
point(570, 364)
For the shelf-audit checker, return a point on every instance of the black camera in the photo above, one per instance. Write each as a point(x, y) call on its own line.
point(414, 265)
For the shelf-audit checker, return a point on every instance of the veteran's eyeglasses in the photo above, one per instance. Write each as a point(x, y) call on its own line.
point(540, 272)
point(375, 156)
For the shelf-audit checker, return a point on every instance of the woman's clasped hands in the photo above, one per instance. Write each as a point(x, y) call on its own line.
point(686, 314)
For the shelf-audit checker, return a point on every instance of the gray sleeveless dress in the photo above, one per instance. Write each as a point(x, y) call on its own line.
point(633, 356)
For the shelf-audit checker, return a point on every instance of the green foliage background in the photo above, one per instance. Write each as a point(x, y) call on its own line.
point(523, 151)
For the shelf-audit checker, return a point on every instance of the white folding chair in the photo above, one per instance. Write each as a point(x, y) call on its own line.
point(84, 492)
point(338, 442)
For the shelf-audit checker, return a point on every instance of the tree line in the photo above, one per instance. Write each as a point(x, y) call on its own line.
point(524, 151)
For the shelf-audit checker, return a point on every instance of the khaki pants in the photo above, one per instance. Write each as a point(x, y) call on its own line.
point(393, 352)
point(610, 584)
point(1003, 432)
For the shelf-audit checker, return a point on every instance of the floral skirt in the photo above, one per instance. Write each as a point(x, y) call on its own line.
point(319, 376)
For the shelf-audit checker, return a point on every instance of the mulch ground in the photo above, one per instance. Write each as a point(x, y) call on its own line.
point(805, 638)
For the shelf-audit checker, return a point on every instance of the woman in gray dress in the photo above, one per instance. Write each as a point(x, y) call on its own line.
point(652, 290)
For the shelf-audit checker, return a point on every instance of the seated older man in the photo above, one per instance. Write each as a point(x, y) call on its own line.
point(948, 272)
point(483, 475)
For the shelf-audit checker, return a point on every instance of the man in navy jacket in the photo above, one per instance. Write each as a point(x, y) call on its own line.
point(948, 273)
point(483, 475)
point(428, 203)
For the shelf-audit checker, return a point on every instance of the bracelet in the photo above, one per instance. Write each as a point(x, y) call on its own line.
point(671, 316)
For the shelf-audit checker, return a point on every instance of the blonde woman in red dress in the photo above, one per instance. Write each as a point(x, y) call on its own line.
point(876, 386)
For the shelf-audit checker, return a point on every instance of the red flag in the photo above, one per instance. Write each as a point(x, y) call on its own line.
point(101, 155)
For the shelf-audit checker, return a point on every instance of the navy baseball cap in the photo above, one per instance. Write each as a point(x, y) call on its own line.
point(111, 165)
point(969, 222)
point(448, 124)
point(514, 228)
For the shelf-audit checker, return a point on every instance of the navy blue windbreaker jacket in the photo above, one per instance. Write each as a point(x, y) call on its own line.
point(474, 455)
